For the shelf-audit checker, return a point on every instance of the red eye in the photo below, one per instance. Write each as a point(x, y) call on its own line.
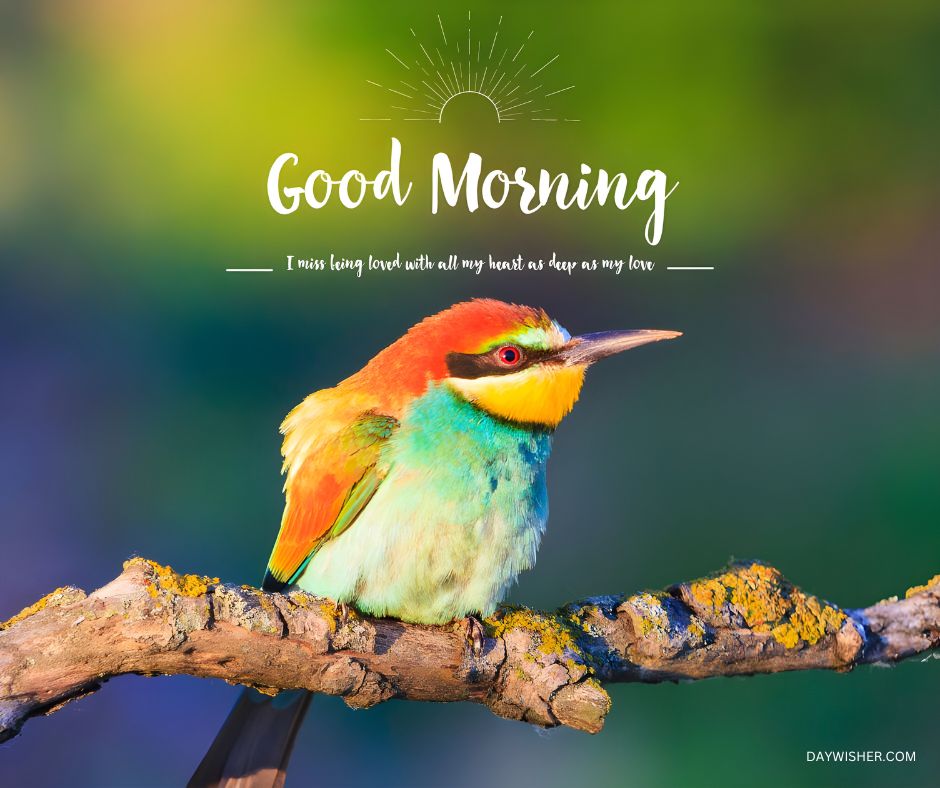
point(509, 355)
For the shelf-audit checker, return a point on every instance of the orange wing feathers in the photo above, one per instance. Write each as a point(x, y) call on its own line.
point(332, 458)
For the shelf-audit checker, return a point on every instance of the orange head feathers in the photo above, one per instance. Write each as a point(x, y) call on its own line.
point(420, 356)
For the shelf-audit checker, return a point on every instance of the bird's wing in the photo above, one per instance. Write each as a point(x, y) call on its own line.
point(328, 485)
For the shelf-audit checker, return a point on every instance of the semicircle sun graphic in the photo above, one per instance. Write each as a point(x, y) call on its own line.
point(457, 63)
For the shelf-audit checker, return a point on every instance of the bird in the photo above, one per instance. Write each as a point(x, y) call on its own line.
point(415, 489)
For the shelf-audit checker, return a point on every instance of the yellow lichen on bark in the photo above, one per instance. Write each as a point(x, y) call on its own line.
point(768, 603)
point(34, 608)
point(809, 620)
point(653, 616)
point(554, 635)
point(328, 611)
point(173, 582)
point(935, 580)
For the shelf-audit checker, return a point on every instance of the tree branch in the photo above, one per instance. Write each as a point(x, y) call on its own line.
point(544, 668)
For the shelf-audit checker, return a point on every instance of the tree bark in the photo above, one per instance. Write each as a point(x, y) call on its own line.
point(543, 668)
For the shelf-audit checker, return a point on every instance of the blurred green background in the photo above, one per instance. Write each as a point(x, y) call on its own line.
point(796, 421)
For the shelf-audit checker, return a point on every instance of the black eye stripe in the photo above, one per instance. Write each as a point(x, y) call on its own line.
point(478, 365)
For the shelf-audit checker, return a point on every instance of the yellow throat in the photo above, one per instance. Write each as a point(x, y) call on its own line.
point(541, 394)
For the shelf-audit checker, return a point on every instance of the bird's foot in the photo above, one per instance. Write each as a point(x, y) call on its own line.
point(474, 635)
point(341, 610)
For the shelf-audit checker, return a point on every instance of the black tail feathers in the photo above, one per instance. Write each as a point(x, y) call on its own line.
point(255, 742)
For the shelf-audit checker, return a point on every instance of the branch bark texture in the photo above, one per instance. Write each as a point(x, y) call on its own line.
point(544, 668)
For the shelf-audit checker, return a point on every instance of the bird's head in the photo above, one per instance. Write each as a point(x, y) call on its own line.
point(514, 362)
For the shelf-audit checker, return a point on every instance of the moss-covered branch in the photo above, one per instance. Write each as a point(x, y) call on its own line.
point(544, 668)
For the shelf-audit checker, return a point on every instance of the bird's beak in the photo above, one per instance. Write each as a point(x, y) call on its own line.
point(588, 348)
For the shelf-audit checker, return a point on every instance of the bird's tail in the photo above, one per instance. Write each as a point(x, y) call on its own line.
point(253, 746)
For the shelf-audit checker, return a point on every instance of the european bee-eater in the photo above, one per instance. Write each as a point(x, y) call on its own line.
point(415, 489)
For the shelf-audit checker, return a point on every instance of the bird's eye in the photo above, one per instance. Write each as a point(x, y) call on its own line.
point(509, 356)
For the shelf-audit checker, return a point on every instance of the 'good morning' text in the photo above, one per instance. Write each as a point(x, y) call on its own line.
point(495, 188)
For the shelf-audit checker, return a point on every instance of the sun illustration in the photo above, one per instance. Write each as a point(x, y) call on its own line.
point(460, 64)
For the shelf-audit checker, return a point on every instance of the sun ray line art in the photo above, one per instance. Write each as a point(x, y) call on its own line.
point(512, 79)
point(426, 54)
point(521, 69)
point(431, 88)
point(544, 67)
point(445, 82)
point(451, 85)
point(441, 96)
point(509, 88)
point(496, 70)
point(495, 35)
point(397, 58)
point(523, 46)
point(515, 106)
point(469, 51)
point(512, 91)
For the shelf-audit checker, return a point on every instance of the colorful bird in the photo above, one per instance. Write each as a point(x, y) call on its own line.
point(415, 489)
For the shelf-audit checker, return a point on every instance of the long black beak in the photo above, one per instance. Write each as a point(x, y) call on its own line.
point(588, 348)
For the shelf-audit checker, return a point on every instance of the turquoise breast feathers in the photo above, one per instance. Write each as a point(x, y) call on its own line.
point(458, 516)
